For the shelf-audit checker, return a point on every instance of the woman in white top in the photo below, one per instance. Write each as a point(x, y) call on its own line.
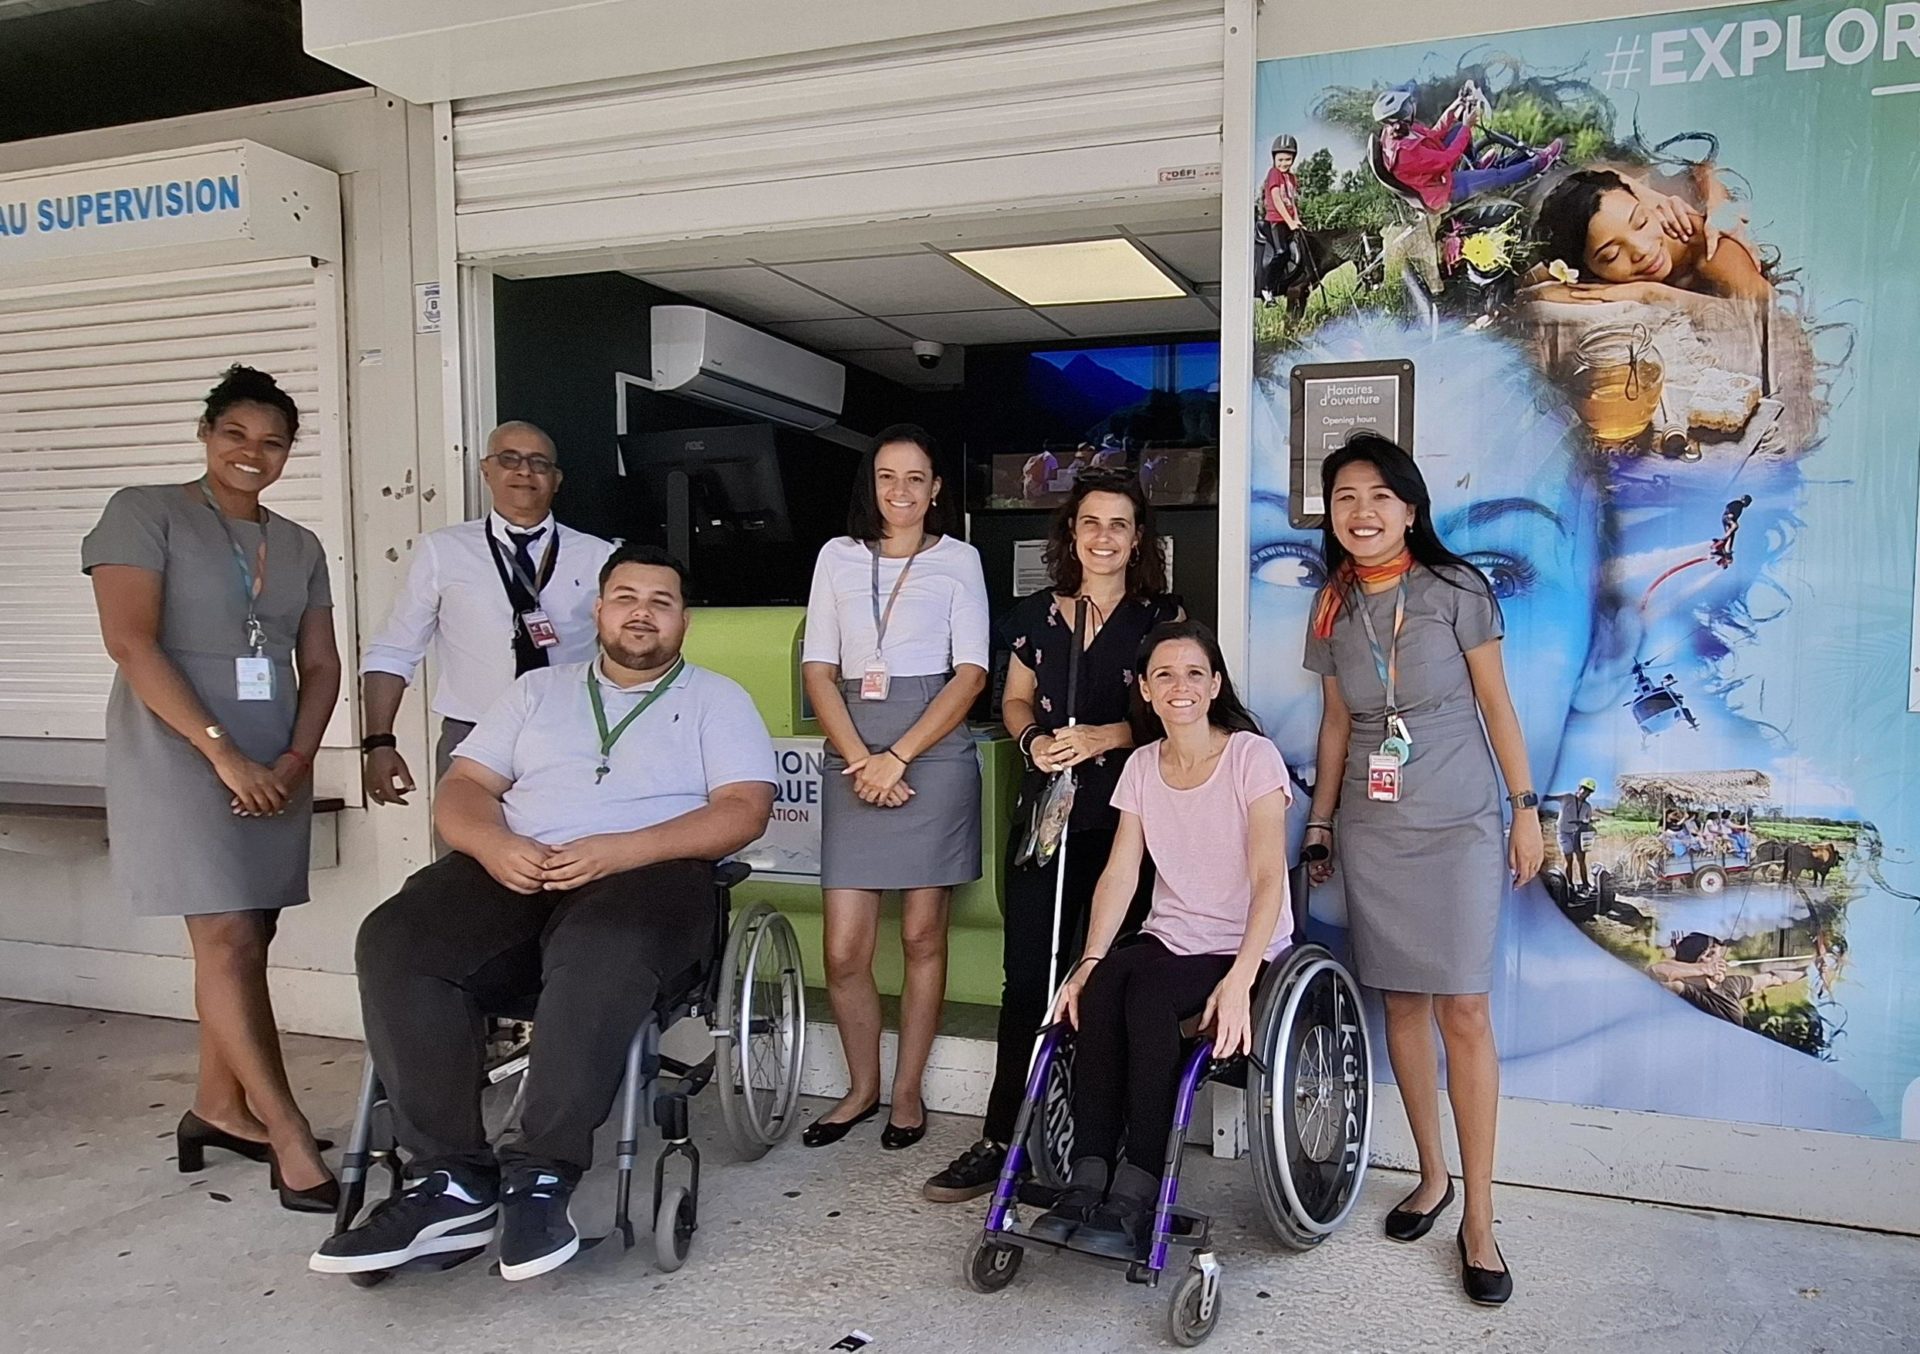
point(896, 652)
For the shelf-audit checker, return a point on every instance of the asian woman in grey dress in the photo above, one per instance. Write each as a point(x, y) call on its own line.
point(1406, 636)
point(218, 615)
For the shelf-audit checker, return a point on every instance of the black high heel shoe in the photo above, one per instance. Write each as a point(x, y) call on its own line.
point(322, 1198)
point(893, 1137)
point(195, 1135)
point(1406, 1224)
point(824, 1133)
point(1488, 1287)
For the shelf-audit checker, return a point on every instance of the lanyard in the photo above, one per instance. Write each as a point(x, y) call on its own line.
point(505, 558)
point(253, 579)
point(881, 619)
point(608, 737)
point(1387, 662)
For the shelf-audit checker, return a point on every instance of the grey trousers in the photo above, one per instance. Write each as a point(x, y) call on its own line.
point(453, 732)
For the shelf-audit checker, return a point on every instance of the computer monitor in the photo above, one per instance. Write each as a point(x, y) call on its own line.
point(746, 507)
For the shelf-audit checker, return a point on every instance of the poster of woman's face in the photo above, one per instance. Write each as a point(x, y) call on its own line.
point(1662, 312)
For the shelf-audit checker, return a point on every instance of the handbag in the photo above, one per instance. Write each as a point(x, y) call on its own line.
point(1048, 803)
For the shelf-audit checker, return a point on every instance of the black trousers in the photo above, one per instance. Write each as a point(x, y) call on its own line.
point(454, 943)
point(1026, 942)
point(1126, 1070)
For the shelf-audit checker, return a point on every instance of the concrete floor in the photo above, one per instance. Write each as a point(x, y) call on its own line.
point(103, 1246)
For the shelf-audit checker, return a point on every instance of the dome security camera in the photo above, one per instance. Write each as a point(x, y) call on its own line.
point(928, 353)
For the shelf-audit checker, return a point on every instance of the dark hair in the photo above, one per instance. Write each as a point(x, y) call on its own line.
point(1690, 947)
point(864, 522)
point(1146, 571)
point(1227, 712)
point(636, 552)
point(1569, 208)
point(1396, 467)
point(245, 385)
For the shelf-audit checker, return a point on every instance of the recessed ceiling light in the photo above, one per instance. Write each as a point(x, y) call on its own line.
point(1074, 274)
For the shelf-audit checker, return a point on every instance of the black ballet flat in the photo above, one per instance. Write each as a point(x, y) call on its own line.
point(195, 1135)
point(824, 1132)
point(894, 1138)
point(1488, 1287)
point(322, 1198)
point(1406, 1224)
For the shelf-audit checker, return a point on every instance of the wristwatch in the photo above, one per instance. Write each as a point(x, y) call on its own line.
point(375, 741)
point(1526, 799)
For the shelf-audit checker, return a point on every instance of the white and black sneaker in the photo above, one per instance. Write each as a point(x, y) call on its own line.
point(537, 1233)
point(432, 1215)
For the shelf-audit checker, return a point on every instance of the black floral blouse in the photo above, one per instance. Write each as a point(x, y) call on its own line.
point(1041, 634)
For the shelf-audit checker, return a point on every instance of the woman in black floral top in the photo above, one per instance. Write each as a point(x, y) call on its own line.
point(1102, 550)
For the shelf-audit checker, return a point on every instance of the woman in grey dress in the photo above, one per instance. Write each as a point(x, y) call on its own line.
point(896, 652)
point(1406, 636)
point(218, 615)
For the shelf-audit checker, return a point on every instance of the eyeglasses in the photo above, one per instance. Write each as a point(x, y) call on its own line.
point(513, 460)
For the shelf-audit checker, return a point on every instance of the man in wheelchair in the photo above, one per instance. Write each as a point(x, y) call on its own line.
point(581, 870)
point(1208, 799)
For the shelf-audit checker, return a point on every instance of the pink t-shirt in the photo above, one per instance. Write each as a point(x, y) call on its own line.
point(1203, 886)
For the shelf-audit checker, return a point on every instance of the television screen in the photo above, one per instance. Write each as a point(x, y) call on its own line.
point(1153, 409)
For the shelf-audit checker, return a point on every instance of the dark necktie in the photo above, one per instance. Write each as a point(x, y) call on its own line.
point(526, 654)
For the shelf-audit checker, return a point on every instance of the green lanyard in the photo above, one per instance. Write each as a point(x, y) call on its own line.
point(608, 737)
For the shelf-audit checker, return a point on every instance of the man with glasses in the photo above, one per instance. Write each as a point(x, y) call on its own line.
point(508, 594)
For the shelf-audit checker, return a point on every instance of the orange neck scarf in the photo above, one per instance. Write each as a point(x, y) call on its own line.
point(1348, 578)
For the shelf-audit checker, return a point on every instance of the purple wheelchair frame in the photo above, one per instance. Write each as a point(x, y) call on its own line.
point(1000, 1226)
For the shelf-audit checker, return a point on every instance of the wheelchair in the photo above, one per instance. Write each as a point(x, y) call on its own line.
point(752, 997)
point(1308, 1087)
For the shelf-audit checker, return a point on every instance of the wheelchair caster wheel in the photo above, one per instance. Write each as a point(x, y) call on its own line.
point(673, 1229)
point(991, 1265)
point(1193, 1308)
point(371, 1278)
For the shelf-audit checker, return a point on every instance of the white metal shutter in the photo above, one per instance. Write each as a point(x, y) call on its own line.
point(1060, 114)
point(101, 386)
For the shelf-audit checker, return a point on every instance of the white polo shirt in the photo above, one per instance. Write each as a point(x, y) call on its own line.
point(702, 734)
point(454, 603)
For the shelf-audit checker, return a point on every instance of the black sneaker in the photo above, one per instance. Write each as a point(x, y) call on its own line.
point(973, 1173)
point(536, 1226)
point(432, 1215)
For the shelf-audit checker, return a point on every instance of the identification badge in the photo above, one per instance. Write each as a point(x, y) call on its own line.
point(539, 629)
point(875, 682)
point(1383, 778)
point(253, 679)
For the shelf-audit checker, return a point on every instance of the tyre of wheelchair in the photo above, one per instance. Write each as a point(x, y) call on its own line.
point(673, 1228)
point(1309, 1097)
point(1050, 1131)
point(759, 1026)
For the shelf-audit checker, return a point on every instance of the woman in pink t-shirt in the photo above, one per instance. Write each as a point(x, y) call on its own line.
point(1208, 799)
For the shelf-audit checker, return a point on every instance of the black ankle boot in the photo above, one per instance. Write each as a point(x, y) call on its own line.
point(1120, 1227)
point(1086, 1187)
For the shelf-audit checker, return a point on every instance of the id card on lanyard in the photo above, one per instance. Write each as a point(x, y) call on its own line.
point(252, 674)
point(876, 682)
point(1385, 767)
point(533, 620)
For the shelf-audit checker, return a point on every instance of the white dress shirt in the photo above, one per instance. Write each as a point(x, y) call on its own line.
point(702, 733)
point(939, 622)
point(454, 603)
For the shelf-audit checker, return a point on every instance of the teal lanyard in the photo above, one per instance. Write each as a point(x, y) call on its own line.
point(253, 579)
point(608, 737)
point(1386, 662)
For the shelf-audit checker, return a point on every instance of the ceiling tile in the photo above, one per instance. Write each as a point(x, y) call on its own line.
point(902, 284)
point(1186, 313)
point(749, 294)
point(1195, 255)
point(898, 364)
point(978, 326)
point(838, 335)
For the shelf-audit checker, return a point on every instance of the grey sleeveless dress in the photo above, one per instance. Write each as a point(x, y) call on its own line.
point(177, 848)
point(1425, 877)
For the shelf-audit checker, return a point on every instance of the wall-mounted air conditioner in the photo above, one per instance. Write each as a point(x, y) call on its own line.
point(707, 357)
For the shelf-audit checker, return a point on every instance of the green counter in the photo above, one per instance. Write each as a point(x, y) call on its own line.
point(759, 647)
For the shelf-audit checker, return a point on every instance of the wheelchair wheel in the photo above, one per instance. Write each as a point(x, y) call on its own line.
point(1191, 1311)
point(1050, 1134)
point(673, 1229)
point(1310, 1097)
point(991, 1265)
point(760, 1027)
